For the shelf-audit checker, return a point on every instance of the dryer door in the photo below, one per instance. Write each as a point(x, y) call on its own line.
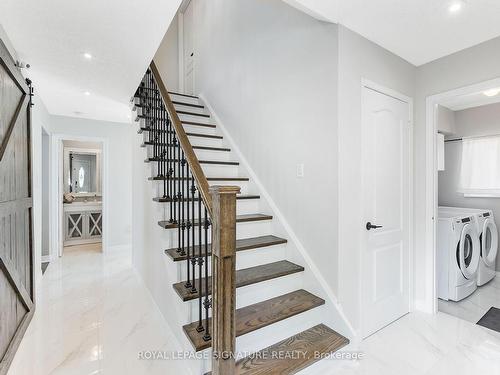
point(468, 251)
point(489, 242)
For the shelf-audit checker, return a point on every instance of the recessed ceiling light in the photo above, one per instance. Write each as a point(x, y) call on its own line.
point(86, 93)
point(87, 55)
point(492, 92)
point(455, 7)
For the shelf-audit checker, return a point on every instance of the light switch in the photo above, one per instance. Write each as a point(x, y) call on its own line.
point(300, 170)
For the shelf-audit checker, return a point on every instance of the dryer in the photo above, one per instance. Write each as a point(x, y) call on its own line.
point(458, 253)
point(488, 237)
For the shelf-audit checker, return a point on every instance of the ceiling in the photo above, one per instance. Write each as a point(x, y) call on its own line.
point(476, 99)
point(52, 36)
point(419, 31)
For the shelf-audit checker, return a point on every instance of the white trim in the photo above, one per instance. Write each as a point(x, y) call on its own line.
point(56, 192)
point(180, 42)
point(279, 215)
point(46, 259)
point(429, 302)
point(365, 83)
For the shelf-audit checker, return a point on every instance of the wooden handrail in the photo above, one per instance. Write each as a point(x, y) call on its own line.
point(194, 164)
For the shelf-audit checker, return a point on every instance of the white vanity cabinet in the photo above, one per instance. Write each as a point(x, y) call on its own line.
point(82, 223)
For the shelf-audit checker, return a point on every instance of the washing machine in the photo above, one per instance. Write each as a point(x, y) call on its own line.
point(488, 237)
point(458, 253)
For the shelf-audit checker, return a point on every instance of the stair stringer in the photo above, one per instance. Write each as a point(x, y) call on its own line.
point(296, 252)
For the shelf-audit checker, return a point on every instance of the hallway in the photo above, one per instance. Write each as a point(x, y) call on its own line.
point(94, 317)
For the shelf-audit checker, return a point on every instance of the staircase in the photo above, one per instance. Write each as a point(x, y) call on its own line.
point(210, 220)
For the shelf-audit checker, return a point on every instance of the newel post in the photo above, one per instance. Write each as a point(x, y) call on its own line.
point(223, 278)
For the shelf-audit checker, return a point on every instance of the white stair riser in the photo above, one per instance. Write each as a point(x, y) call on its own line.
point(185, 99)
point(194, 118)
point(276, 332)
point(186, 108)
point(199, 129)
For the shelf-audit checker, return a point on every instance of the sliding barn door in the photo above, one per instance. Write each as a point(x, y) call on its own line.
point(16, 249)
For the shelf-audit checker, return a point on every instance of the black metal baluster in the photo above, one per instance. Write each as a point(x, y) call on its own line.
point(170, 156)
point(208, 302)
point(164, 153)
point(158, 128)
point(200, 295)
point(188, 232)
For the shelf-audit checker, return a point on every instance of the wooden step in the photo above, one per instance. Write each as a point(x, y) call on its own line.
point(238, 197)
point(308, 347)
point(186, 95)
point(247, 218)
point(187, 104)
point(241, 245)
point(211, 162)
point(244, 277)
point(201, 135)
point(192, 114)
point(260, 315)
point(208, 148)
point(198, 124)
point(162, 178)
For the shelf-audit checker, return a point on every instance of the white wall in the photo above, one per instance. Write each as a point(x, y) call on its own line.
point(119, 172)
point(167, 57)
point(472, 122)
point(40, 118)
point(358, 59)
point(45, 193)
point(445, 120)
point(473, 65)
point(253, 60)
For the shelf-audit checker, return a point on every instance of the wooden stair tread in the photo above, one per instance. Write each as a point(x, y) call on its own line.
point(188, 104)
point(241, 245)
point(186, 95)
point(260, 315)
point(194, 123)
point(238, 197)
point(161, 178)
point(244, 277)
point(201, 135)
point(239, 219)
point(192, 114)
point(270, 361)
point(211, 162)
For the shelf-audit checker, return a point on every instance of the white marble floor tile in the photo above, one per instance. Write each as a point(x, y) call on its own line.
point(476, 305)
point(93, 318)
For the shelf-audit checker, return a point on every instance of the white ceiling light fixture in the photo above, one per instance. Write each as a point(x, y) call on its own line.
point(456, 7)
point(492, 92)
point(87, 56)
point(86, 93)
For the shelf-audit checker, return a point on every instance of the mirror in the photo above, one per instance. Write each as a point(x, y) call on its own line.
point(82, 172)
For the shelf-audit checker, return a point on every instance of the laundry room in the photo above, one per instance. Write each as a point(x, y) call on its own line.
point(468, 149)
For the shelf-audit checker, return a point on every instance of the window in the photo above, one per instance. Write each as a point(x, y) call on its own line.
point(480, 172)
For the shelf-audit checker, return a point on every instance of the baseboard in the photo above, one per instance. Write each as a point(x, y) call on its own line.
point(46, 258)
point(279, 215)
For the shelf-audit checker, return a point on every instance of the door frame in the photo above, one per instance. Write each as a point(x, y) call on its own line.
point(429, 275)
point(180, 42)
point(56, 190)
point(366, 83)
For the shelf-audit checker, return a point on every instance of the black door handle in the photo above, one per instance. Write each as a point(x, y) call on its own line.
point(372, 226)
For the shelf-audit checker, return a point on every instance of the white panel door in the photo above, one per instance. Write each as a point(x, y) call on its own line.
point(189, 56)
point(386, 188)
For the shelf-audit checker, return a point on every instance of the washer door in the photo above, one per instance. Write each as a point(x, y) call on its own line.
point(489, 242)
point(468, 252)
